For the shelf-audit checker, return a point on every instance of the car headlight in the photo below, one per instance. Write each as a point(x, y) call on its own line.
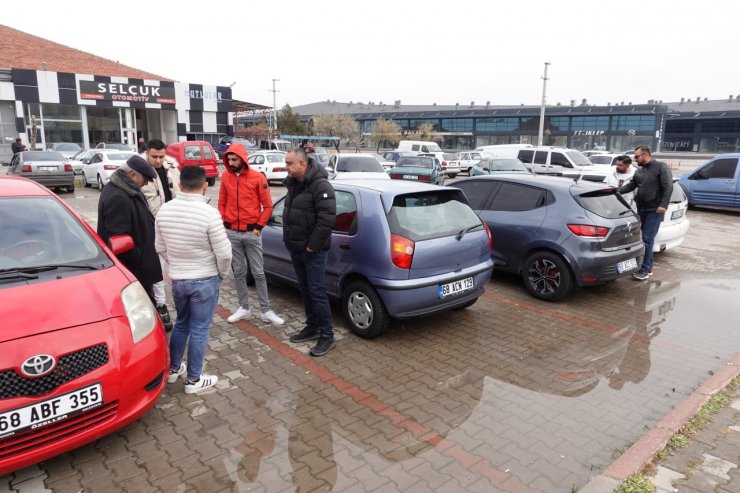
point(140, 311)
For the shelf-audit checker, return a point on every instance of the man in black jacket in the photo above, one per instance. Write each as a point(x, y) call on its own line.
point(654, 183)
point(308, 219)
point(123, 210)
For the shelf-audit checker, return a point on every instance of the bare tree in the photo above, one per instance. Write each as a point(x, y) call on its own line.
point(385, 130)
point(426, 132)
point(336, 125)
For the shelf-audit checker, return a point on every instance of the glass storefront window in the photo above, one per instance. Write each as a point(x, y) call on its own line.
point(719, 144)
point(496, 125)
point(621, 143)
point(456, 124)
point(588, 142)
point(638, 123)
point(557, 123)
point(531, 124)
point(591, 123)
point(404, 124)
point(57, 131)
point(415, 123)
point(61, 112)
point(368, 125)
point(457, 142)
point(104, 125)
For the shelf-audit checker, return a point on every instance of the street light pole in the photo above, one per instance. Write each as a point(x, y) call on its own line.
point(542, 107)
point(274, 109)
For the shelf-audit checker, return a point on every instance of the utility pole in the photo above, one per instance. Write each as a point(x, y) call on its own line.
point(273, 124)
point(542, 107)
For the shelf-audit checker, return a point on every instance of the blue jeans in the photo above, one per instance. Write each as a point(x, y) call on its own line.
point(310, 270)
point(650, 223)
point(195, 302)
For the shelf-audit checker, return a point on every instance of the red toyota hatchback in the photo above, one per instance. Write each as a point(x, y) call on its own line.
point(82, 349)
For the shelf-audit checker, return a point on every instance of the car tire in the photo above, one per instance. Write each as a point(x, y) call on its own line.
point(211, 181)
point(71, 188)
point(85, 183)
point(364, 310)
point(100, 183)
point(547, 276)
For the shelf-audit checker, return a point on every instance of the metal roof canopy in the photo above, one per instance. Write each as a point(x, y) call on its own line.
point(243, 106)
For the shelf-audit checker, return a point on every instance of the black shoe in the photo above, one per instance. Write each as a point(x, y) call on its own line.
point(641, 275)
point(307, 334)
point(164, 314)
point(323, 346)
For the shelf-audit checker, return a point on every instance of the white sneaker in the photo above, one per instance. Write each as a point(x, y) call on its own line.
point(205, 382)
point(172, 377)
point(270, 316)
point(239, 314)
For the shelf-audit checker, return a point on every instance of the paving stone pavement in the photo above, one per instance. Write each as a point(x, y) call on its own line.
point(511, 394)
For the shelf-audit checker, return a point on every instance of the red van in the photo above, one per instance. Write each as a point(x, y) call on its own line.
point(196, 152)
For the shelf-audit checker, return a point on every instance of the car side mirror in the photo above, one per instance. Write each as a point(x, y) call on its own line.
point(120, 244)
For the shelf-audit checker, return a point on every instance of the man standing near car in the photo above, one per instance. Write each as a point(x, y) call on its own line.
point(123, 210)
point(191, 239)
point(654, 183)
point(157, 192)
point(245, 204)
point(621, 175)
point(308, 218)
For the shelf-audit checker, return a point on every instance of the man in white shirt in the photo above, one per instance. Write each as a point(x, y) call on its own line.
point(621, 175)
point(190, 237)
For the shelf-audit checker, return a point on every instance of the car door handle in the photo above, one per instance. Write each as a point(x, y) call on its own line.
point(345, 246)
point(730, 182)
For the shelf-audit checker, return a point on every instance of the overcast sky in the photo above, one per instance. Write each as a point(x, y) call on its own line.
point(419, 52)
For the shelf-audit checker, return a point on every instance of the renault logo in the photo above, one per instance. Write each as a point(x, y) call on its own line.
point(39, 365)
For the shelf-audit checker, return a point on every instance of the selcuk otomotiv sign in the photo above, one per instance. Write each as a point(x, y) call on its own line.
point(114, 91)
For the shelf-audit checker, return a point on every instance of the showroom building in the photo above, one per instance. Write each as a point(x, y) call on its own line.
point(66, 95)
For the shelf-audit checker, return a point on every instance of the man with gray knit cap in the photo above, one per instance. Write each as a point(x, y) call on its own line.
point(123, 210)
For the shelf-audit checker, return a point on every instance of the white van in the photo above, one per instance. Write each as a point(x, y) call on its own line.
point(421, 146)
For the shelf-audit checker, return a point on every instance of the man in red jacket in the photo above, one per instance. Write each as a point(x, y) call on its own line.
point(245, 205)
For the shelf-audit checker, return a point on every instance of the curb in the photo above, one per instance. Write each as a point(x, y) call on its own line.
point(643, 451)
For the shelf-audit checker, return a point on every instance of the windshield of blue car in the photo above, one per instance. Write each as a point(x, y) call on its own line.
point(359, 164)
point(40, 231)
point(415, 162)
point(426, 215)
point(43, 156)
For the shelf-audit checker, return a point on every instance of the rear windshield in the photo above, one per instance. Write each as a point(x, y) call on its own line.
point(503, 165)
point(415, 162)
point(677, 196)
point(43, 156)
point(600, 159)
point(67, 147)
point(604, 203)
point(119, 156)
point(359, 163)
point(433, 214)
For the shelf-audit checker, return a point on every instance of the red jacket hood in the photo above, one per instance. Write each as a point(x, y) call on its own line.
point(237, 149)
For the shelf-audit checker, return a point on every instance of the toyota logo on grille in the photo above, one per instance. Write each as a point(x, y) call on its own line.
point(39, 365)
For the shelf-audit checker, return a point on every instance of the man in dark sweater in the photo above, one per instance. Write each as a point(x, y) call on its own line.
point(308, 217)
point(654, 183)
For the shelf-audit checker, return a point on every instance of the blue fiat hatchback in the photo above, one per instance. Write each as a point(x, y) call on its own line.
point(399, 249)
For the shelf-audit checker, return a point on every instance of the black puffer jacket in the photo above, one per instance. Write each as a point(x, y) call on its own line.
point(654, 183)
point(310, 211)
point(123, 210)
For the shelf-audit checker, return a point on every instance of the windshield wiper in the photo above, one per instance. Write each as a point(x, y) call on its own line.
point(466, 230)
point(33, 269)
point(8, 275)
point(628, 211)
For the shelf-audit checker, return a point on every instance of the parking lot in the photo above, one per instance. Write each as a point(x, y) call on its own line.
point(511, 394)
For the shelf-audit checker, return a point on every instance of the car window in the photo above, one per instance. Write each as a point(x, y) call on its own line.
point(526, 156)
point(721, 168)
point(477, 191)
point(207, 152)
point(251, 159)
point(276, 158)
point(517, 197)
point(119, 156)
point(40, 231)
point(677, 195)
point(260, 160)
point(415, 162)
point(540, 157)
point(505, 165)
point(600, 159)
point(346, 219)
point(415, 147)
point(474, 155)
point(435, 214)
point(43, 156)
point(192, 153)
point(424, 149)
point(559, 159)
point(359, 163)
point(96, 158)
point(277, 212)
point(604, 203)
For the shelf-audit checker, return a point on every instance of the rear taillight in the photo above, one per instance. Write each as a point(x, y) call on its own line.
point(68, 167)
point(588, 231)
point(395, 176)
point(26, 168)
point(110, 167)
point(402, 251)
point(278, 170)
point(490, 236)
point(444, 164)
point(424, 178)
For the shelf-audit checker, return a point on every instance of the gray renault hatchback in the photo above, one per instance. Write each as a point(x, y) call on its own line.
point(399, 249)
point(556, 233)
